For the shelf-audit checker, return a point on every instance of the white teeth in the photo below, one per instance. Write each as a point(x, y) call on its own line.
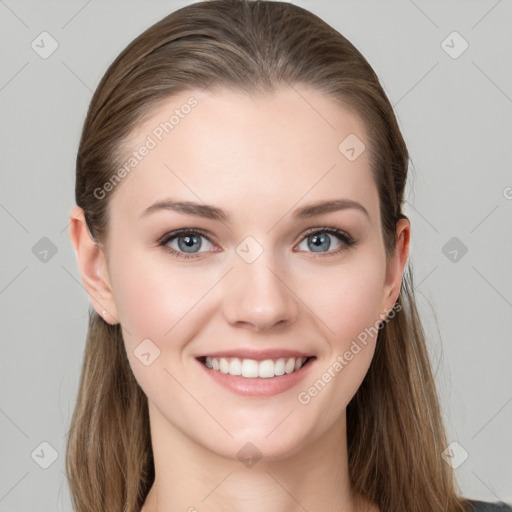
point(290, 365)
point(266, 369)
point(250, 368)
point(279, 367)
point(223, 365)
point(235, 367)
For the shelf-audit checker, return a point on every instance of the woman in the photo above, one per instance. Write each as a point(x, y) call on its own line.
point(254, 343)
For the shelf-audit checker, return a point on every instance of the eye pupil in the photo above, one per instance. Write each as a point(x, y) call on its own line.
point(188, 243)
point(320, 242)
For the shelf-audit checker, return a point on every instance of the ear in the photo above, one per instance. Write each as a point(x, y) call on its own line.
point(396, 264)
point(92, 267)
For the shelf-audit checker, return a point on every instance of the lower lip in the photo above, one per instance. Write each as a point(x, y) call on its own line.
point(258, 386)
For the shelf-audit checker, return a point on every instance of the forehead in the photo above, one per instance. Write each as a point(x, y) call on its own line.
point(264, 152)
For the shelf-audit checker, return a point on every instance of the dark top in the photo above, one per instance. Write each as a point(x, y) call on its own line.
point(483, 506)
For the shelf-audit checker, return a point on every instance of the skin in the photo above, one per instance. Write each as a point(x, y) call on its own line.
point(258, 158)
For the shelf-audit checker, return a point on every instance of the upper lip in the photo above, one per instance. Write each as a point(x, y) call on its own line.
point(257, 355)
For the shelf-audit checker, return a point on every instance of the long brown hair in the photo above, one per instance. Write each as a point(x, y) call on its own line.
point(394, 424)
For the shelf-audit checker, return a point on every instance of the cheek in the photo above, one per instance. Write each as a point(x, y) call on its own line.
point(155, 301)
point(348, 302)
point(347, 298)
point(150, 295)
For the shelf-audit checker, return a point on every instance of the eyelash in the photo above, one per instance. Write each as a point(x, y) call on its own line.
point(342, 236)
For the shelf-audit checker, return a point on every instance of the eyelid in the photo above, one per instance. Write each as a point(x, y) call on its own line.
point(170, 235)
point(326, 229)
point(346, 240)
point(178, 255)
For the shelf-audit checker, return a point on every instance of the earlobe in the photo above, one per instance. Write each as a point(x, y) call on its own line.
point(92, 267)
point(397, 262)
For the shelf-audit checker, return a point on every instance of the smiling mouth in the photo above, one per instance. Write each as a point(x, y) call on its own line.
point(252, 369)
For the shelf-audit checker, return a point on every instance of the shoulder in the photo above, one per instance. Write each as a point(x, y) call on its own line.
point(483, 506)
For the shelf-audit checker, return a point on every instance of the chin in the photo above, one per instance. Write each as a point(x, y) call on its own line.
point(265, 442)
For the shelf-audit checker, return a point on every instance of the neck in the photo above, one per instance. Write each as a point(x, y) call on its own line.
point(191, 478)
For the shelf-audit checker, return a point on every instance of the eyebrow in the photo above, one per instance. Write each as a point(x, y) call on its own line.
point(212, 212)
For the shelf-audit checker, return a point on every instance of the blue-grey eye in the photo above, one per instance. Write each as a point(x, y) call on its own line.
point(190, 243)
point(319, 242)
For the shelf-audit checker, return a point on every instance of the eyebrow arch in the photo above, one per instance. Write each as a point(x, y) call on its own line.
point(327, 207)
point(212, 212)
point(187, 207)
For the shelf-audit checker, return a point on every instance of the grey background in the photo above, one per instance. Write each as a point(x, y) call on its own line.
point(455, 116)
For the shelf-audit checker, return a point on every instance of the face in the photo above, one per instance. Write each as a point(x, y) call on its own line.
point(247, 270)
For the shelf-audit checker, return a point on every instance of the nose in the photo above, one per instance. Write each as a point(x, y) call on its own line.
point(258, 295)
